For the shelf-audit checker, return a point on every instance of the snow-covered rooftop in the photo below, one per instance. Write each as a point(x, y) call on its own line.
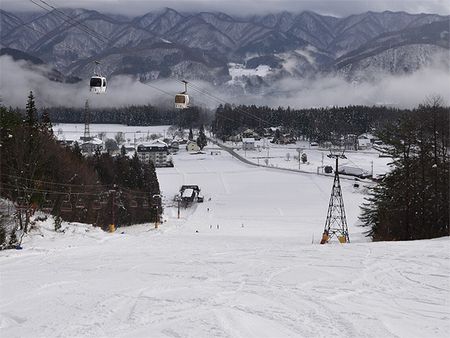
point(93, 140)
point(153, 144)
point(367, 136)
point(248, 140)
point(187, 192)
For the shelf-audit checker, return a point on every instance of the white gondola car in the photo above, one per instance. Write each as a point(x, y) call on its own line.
point(98, 84)
point(182, 99)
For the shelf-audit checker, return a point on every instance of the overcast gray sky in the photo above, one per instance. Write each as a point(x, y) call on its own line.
point(243, 7)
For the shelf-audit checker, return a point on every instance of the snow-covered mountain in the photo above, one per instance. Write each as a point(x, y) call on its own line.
point(219, 48)
point(399, 52)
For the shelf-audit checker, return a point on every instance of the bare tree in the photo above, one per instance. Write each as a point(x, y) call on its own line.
point(119, 137)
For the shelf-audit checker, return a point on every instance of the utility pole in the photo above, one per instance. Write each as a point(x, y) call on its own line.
point(268, 150)
point(112, 226)
point(336, 222)
point(299, 150)
point(156, 209)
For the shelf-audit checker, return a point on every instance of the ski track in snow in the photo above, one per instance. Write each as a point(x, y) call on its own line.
point(257, 275)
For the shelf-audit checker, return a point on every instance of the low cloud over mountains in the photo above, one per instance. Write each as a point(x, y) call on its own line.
point(306, 57)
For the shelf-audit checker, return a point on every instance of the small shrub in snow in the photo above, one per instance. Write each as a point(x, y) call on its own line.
point(2, 233)
point(304, 158)
point(57, 223)
point(13, 238)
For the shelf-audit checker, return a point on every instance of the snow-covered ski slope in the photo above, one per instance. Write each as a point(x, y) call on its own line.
point(266, 201)
point(255, 275)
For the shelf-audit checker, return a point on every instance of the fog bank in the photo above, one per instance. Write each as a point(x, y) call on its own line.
point(405, 91)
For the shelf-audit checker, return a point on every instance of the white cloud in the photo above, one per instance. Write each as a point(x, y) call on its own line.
point(400, 91)
point(405, 91)
point(18, 79)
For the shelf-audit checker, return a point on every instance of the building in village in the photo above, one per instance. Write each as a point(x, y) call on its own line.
point(156, 152)
point(366, 140)
point(91, 145)
point(250, 133)
point(174, 146)
point(248, 143)
point(192, 146)
point(349, 142)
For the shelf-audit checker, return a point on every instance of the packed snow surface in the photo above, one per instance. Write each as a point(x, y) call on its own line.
point(245, 263)
point(238, 70)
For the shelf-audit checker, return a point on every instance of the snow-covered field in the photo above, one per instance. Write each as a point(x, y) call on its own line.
point(237, 71)
point(283, 156)
point(277, 155)
point(73, 131)
point(241, 264)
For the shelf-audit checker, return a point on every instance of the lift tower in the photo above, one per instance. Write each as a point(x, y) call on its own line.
point(87, 121)
point(336, 223)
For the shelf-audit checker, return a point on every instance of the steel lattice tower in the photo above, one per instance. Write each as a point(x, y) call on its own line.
point(87, 121)
point(336, 223)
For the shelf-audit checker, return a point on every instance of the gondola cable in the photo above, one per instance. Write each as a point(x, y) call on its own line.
point(221, 101)
point(184, 104)
point(73, 22)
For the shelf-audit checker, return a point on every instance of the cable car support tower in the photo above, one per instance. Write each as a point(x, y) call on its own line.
point(336, 223)
point(87, 120)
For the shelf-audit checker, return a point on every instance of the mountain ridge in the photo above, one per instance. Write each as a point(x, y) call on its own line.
point(207, 45)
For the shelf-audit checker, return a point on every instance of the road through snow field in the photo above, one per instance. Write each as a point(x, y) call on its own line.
point(249, 271)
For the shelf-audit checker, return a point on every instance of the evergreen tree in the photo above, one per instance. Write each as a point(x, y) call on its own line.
point(2, 231)
point(136, 179)
point(46, 124)
point(277, 136)
point(201, 139)
point(31, 111)
point(304, 158)
point(33, 161)
point(412, 201)
point(9, 119)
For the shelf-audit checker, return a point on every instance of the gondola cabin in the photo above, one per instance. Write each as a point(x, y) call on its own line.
point(98, 84)
point(181, 101)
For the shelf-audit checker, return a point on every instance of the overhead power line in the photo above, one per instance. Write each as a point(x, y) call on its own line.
point(54, 183)
point(26, 24)
point(221, 101)
point(69, 186)
point(71, 21)
point(88, 30)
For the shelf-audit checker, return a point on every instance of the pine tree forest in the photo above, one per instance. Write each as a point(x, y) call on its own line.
point(412, 201)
